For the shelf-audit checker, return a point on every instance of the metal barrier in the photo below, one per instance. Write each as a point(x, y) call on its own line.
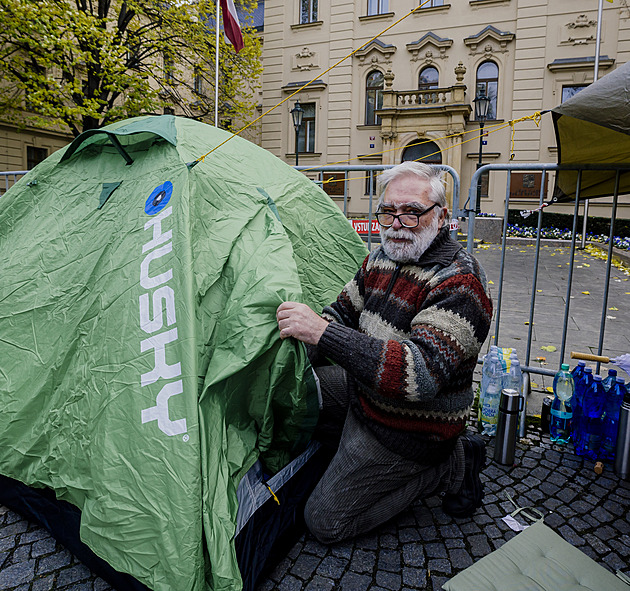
point(370, 170)
point(470, 213)
point(8, 179)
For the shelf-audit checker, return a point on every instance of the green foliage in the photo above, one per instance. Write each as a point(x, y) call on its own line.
point(86, 64)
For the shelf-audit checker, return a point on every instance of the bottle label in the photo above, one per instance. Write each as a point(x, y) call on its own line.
point(561, 414)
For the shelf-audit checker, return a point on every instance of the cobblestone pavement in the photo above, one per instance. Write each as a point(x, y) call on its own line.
point(422, 548)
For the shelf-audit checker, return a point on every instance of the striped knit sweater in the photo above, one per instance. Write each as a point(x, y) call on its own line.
point(409, 335)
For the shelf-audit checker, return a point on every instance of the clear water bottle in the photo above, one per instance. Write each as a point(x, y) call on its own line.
point(512, 380)
point(490, 397)
point(609, 380)
point(612, 406)
point(581, 385)
point(561, 410)
point(589, 434)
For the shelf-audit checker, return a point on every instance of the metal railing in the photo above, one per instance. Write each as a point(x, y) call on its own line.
point(8, 179)
point(470, 213)
point(368, 175)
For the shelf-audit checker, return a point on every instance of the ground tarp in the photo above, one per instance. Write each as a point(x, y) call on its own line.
point(141, 371)
point(594, 127)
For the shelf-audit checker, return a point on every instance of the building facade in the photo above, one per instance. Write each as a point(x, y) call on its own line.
point(408, 92)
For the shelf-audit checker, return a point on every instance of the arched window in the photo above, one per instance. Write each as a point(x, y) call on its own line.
point(488, 82)
point(373, 97)
point(428, 78)
point(422, 151)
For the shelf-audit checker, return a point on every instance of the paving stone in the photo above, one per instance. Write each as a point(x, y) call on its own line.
point(439, 565)
point(414, 577)
point(44, 584)
point(290, 583)
point(43, 547)
point(460, 558)
point(413, 555)
point(389, 560)
point(34, 535)
point(305, 565)
point(438, 582)
point(17, 574)
point(479, 545)
point(363, 561)
point(331, 567)
point(322, 584)
point(387, 580)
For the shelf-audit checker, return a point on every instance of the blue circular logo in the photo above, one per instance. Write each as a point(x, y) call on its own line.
point(158, 200)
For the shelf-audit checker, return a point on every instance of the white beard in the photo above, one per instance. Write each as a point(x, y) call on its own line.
point(408, 252)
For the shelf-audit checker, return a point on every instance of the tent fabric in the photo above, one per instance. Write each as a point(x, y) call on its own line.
point(142, 373)
point(593, 127)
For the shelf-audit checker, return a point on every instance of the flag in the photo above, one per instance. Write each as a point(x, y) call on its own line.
point(231, 24)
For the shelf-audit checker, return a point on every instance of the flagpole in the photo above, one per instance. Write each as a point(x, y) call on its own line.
point(595, 76)
point(216, 68)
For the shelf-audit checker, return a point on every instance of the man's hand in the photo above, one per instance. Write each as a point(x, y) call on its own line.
point(299, 321)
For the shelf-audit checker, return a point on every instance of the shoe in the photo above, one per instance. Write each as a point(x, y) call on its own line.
point(470, 495)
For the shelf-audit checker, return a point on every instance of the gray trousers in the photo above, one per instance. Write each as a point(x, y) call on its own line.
point(366, 484)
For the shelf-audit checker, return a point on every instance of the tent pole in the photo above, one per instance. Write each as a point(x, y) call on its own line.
point(595, 77)
point(216, 69)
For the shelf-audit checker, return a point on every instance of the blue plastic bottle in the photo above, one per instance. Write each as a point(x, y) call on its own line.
point(561, 410)
point(578, 372)
point(609, 380)
point(581, 385)
point(589, 434)
point(612, 406)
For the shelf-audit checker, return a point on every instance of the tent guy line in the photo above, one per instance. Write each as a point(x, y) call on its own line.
point(414, 10)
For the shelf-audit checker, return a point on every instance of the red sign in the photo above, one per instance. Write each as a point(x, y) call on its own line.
point(361, 226)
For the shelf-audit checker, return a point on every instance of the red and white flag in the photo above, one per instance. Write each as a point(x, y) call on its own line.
point(231, 24)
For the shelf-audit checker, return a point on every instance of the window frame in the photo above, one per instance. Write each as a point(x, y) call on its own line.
point(370, 116)
point(308, 11)
point(376, 7)
point(485, 83)
point(308, 130)
point(428, 85)
point(573, 86)
point(433, 3)
point(35, 155)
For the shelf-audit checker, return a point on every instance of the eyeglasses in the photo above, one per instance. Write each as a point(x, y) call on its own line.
point(407, 220)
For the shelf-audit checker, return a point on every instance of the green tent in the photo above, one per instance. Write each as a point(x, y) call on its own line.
point(141, 371)
point(593, 127)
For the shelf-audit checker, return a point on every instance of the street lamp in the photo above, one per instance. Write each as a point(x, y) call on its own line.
point(297, 113)
point(482, 105)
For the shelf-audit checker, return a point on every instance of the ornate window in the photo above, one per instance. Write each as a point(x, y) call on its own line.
point(373, 97)
point(308, 11)
point(428, 78)
point(377, 7)
point(306, 137)
point(422, 151)
point(488, 82)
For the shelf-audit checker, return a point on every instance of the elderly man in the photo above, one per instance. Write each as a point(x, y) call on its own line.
point(404, 336)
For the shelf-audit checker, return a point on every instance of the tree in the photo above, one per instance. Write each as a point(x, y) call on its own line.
point(86, 63)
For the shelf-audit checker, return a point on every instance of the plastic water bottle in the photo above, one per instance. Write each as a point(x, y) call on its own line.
point(512, 380)
point(581, 385)
point(490, 362)
point(590, 429)
point(490, 397)
point(561, 411)
point(612, 406)
point(609, 380)
point(578, 372)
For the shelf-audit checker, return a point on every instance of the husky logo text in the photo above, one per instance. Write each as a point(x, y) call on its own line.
point(159, 298)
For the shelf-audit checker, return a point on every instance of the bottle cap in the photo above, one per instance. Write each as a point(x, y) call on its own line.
point(597, 378)
point(588, 370)
point(612, 372)
point(564, 367)
point(581, 363)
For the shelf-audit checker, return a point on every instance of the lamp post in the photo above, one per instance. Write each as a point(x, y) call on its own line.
point(482, 104)
point(297, 113)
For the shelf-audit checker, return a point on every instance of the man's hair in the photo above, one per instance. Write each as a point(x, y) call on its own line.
point(426, 172)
